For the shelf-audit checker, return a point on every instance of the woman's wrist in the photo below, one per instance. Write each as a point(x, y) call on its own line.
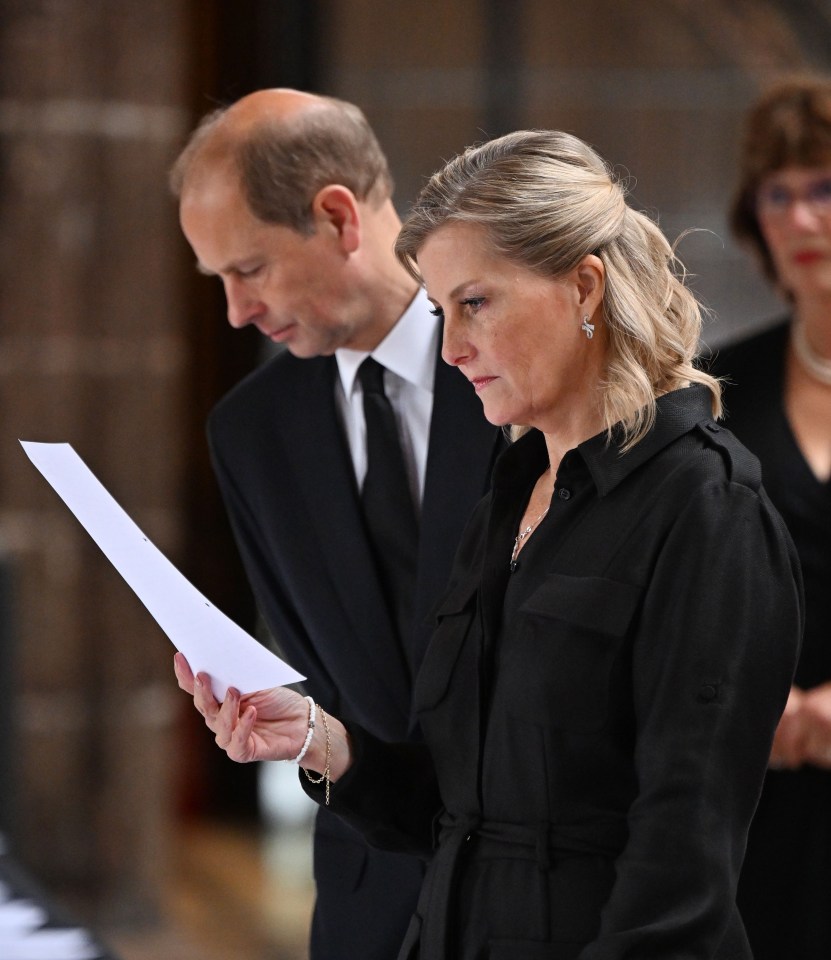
point(310, 729)
point(328, 747)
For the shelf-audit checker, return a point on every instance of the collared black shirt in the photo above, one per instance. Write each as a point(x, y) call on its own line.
point(597, 722)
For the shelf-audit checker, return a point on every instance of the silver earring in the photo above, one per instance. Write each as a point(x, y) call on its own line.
point(587, 327)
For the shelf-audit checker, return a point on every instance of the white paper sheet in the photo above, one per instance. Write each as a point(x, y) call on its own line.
point(21, 916)
point(48, 943)
point(210, 640)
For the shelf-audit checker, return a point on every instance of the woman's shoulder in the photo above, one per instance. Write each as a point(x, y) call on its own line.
point(707, 458)
point(751, 352)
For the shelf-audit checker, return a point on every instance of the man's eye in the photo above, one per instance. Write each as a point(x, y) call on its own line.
point(248, 272)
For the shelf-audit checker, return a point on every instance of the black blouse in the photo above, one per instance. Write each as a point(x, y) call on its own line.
point(598, 722)
point(754, 399)
point(785, 886)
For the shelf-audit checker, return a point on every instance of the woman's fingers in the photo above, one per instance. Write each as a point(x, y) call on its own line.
point(232, 729)
point(184, 676)
point(267, 724)
point(226, 718)
point(204, 700)
point(241, 746)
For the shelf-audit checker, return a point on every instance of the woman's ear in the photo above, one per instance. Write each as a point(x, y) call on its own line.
point(335, 208)
point(590, 279)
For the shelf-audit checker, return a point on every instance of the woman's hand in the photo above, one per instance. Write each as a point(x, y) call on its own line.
point(267, 725)
point(788, 748)
point(804, 732)
point(816, 714)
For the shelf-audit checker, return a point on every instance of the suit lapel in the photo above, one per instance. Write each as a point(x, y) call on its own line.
point(462, 450)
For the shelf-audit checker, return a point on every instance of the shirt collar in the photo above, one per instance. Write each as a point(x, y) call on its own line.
point(677, 413)
point(408, 350)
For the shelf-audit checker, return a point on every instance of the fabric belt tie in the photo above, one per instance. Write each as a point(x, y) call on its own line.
point(545, 844)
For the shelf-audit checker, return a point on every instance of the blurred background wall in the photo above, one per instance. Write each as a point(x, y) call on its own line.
point(109, 339)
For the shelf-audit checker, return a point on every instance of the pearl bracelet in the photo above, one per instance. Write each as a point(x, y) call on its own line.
point(310, 733)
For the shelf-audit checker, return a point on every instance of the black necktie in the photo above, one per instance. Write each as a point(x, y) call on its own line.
point(387, 501)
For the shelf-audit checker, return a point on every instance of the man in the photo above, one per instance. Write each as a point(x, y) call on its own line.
point(286, 197)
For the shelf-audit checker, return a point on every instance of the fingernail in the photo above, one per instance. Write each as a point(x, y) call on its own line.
point(197, 682)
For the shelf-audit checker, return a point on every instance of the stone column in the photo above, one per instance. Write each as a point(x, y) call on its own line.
point(93, 350)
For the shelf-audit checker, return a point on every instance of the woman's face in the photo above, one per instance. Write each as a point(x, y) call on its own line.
point(514, 334)
point(794, 210)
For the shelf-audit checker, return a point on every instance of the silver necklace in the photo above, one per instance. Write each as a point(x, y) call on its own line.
point(522, 535)
point(817, 366)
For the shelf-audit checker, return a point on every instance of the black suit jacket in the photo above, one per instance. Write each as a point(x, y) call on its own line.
point(288, 482)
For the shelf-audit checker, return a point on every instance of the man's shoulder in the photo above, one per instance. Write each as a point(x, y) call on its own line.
point(282, 379)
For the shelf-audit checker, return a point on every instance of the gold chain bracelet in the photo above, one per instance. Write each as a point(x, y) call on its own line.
point(327, 764)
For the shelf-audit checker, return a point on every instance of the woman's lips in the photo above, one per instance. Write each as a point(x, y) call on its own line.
point(803, 257)
point(479, 383)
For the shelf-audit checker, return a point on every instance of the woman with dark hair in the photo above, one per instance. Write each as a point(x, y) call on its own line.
point(778, 400)
point(619, 634)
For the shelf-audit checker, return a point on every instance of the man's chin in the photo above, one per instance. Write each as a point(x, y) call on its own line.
point(301, 350)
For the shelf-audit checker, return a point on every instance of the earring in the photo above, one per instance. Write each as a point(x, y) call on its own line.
point(587, 327)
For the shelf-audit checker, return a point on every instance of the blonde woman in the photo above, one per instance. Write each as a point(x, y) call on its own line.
point(621, 626)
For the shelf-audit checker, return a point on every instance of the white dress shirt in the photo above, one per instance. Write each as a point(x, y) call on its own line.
point(408, 354)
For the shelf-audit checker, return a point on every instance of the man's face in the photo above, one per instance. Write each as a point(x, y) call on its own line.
point(295, 289)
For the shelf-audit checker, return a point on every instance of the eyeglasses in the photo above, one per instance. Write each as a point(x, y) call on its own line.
point(775, 199)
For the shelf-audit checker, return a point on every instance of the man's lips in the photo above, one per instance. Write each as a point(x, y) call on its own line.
point(278, 336)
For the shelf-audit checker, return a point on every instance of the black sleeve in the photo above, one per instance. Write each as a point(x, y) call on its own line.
point(389, 794)
point(713, 660)
point(289, 638)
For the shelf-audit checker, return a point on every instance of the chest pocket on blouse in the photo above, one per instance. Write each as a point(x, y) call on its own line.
point(455, 615)
point(571, 629)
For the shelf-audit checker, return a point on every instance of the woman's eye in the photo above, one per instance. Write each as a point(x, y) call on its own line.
point(821, 191)
point(473, 302)
point(775, 196)
point(437, 312)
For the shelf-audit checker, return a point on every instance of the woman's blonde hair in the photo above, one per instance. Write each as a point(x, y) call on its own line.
point(546, 200)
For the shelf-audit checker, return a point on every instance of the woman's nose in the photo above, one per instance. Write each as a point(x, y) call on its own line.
point(456, 348)
point(802, 215)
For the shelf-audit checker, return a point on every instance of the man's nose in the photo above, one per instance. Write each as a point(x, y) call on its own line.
point(242, 307)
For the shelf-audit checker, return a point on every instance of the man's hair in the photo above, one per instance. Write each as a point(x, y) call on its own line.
point(788, 126)
point(546, 200)
point(283, 163)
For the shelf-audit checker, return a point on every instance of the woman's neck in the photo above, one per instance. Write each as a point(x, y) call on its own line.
point(814, 315)
point(559, 441)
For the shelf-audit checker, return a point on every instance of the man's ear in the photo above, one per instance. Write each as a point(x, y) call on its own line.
point(335, 207)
